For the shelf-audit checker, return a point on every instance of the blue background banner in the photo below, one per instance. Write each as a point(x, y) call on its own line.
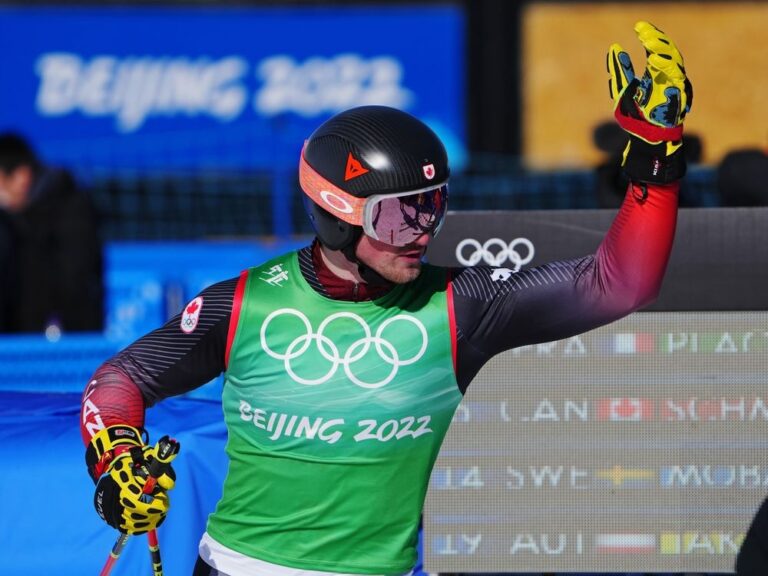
point(139, 88)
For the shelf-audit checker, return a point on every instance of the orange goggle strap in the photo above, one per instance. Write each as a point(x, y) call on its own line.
point(331, 198)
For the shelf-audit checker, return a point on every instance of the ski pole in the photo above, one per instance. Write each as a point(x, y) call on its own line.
point(171, 447)
point(154, 553)
point(165, 451)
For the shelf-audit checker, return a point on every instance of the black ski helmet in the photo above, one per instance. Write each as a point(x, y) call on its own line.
point(365, 151)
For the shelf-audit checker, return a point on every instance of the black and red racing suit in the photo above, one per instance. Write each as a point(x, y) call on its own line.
point(489, 313)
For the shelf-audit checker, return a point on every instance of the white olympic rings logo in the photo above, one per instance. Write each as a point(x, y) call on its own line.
point(330, 351)
point(492, 257)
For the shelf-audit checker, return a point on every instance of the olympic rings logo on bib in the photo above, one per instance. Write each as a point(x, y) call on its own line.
point(329, 350)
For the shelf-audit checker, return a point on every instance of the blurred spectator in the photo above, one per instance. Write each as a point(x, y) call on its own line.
point(7, 269)
point(612, 182)
point(50, 249)
point(742, 178)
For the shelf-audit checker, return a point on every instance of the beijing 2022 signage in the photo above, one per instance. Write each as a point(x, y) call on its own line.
point(172, 87)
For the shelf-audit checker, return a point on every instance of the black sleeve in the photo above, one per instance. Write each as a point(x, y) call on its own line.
point(169, 361)
point(497, 310)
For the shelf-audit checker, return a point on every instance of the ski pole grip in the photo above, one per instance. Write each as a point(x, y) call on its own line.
point(166, 450)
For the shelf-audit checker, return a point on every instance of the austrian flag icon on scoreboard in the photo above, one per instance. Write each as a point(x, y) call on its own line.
point(625, 409)
point(625, 543)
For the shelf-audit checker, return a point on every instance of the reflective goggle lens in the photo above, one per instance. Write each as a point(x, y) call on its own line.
point(401, 219)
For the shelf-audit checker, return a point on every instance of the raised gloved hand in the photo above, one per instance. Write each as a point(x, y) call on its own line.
point(652, 108)
point(120, 463)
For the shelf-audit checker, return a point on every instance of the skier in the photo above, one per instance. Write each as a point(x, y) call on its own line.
point(345, 360)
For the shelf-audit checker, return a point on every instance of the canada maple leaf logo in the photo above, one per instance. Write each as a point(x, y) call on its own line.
point(191, 315)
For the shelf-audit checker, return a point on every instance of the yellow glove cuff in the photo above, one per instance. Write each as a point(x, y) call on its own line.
point(108, 443)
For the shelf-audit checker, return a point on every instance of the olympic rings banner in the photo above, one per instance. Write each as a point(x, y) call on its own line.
point(719, 260)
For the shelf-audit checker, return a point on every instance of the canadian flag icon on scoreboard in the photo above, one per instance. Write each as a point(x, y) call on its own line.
point(625, 409)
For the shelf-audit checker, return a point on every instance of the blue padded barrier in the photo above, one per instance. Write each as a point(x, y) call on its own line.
point(49, 525)
point(57, 531)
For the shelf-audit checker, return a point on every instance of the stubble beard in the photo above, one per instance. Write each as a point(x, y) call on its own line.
point(397, 273)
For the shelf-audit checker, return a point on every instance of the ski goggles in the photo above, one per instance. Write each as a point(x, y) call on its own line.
point(395, 219)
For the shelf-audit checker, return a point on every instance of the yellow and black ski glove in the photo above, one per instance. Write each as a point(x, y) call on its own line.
point(652, 108)
point(119, 461)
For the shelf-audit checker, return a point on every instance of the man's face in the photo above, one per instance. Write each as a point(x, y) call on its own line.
point(14, 188)
point(398, 264)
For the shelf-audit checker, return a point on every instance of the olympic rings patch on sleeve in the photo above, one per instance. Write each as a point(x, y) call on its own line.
point(191, 315)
